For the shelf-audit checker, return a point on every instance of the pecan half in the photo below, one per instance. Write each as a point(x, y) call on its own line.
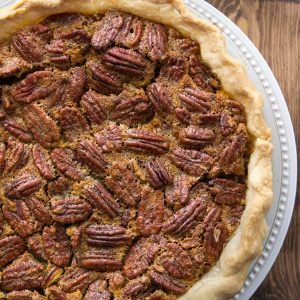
point(22, 186)
point(214, 239)
point(192, 162)
point(2, 156)
point(92, 104)
point(158, 174)
point(11, 247)
point(124, 61)
point(63, 160)
point(150, 212)
point(213, 216)
point(107, 30)
point(167, 283)
point(77, 83)
point(16, 129)
point(124, 185)
point(70, 210)
point(154, 42)
point(97, 291)
point(145, 141)
point(174, 69)
point(18, 216)
point(73, 123)
point(12, 66)
point(100, 198)
point(179, 193)
point(160, 98)
point(208, 119)
point(197, 99)
point(228, 124)
point(91, 154)
point(177, 262)
point(202, 75)
point(39, 210)
point(140, 256)
point(136, 289)
point(53, 273)
point(131, 33)
point(55, 293)
point(227, 191)
point(235, 214)
point(100, 260)
point(232, 157)
point(23, 273)
point(56, 54)
point(196, 137)
point(107, 235)
point(28, 46)
point(59, 186)
point(35, 86)
point(103, 80)
point(36, 247)
point(110, 138)
point(41, 162)
point(57, 245)
point(16, 157)
point(183, 115)
point(76, 279)
point(43, 128)
point(25, 295)
point(185, 218)
point(132, 110)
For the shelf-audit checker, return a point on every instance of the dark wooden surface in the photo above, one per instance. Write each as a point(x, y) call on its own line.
point(274, 27)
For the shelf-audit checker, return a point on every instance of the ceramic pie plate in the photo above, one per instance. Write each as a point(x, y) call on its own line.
point(278, 119)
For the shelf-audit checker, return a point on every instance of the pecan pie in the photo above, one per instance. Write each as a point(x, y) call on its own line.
point(134, 157)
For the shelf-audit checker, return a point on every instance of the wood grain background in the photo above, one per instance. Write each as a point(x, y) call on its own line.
point(274, 27)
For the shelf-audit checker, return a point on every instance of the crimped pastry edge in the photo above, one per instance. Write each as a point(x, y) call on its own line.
point(228, 275)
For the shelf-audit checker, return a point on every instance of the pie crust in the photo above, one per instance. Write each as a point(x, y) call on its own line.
point(228, 275)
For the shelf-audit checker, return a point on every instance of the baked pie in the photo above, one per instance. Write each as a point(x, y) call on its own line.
point(135, 161)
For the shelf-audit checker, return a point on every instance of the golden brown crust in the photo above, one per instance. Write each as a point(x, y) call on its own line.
point(227, 277)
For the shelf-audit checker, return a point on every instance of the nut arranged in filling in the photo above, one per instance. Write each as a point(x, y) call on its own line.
point(123, 163)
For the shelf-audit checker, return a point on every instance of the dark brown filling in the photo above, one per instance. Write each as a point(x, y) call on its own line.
point(123, 162)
